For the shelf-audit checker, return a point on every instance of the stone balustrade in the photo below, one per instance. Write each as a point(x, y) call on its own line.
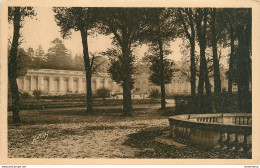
point(225, 131)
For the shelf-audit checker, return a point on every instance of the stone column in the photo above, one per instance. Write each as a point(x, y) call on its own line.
point(50, 84)
point(40, 83)
point(31, 83)
point(23, 82)
point(61, 84)
point(189, 87)
point(80, 85)
point(84, 85)
point(97, 83)
point(70, 84)
point(106, 83)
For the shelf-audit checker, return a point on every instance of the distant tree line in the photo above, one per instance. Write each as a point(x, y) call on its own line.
point(57, 57)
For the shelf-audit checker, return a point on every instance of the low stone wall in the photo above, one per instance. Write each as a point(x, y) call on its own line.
point(226, 131)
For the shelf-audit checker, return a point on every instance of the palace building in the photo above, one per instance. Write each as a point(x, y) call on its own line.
point(60, 82)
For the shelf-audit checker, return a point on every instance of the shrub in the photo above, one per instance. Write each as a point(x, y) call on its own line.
point(25, 95)
point(103, 93)
point(37, 94)
point(154, 94)
point(225, 103)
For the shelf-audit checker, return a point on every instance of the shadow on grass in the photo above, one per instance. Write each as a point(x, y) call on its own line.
point(149, 148)
point(58, 116)
point(168, 111)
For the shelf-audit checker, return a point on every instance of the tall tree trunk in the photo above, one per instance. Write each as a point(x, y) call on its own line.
point(84, 37)
point(193, 74)
point(231, 59)
point(244, 68)
point(217, 81)
point(127, 102)
point(201, 85)
point(163, 103)
point(198, 20)
point(206, 74)
point(193, 65)
point(203, 76)
point(192, 55)
point(160, 43)
point(208, 102)
point(191, 37)
point(13, 65)
point(243, 71)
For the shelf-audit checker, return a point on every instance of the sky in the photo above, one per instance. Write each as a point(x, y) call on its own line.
point(42, 29)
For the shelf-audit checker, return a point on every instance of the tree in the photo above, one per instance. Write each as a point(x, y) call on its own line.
point(38, 57)
point(115, 68)
point(30, 52)
point(100, 63)
point(201, 20)
point(23, 62)
point(125, 24)
point(58, 56)
point(232, 53)
point(78, 63)
point(16, 16)
point(158, 32)
point(214, 27)
point(155, 68)
point(83, 20)
point(39, 53)
point(239, 29)
point(244, 35)
point(186, 19)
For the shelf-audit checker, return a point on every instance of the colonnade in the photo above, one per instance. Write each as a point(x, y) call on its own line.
point(60, 83)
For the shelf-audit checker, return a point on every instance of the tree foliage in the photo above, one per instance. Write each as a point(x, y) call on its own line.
point(58, 56)
point(157, 68)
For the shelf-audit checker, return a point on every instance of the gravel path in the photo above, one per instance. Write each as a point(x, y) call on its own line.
point(72, 140)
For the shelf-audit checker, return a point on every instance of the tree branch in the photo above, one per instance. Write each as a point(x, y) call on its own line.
point(184, 25)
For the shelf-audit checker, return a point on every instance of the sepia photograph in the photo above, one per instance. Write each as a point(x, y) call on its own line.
point(129, 82)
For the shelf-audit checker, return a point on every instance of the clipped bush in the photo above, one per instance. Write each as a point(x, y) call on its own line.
point(37, 94)
point(103, 93)
point(154, 94)
point(25, 95)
